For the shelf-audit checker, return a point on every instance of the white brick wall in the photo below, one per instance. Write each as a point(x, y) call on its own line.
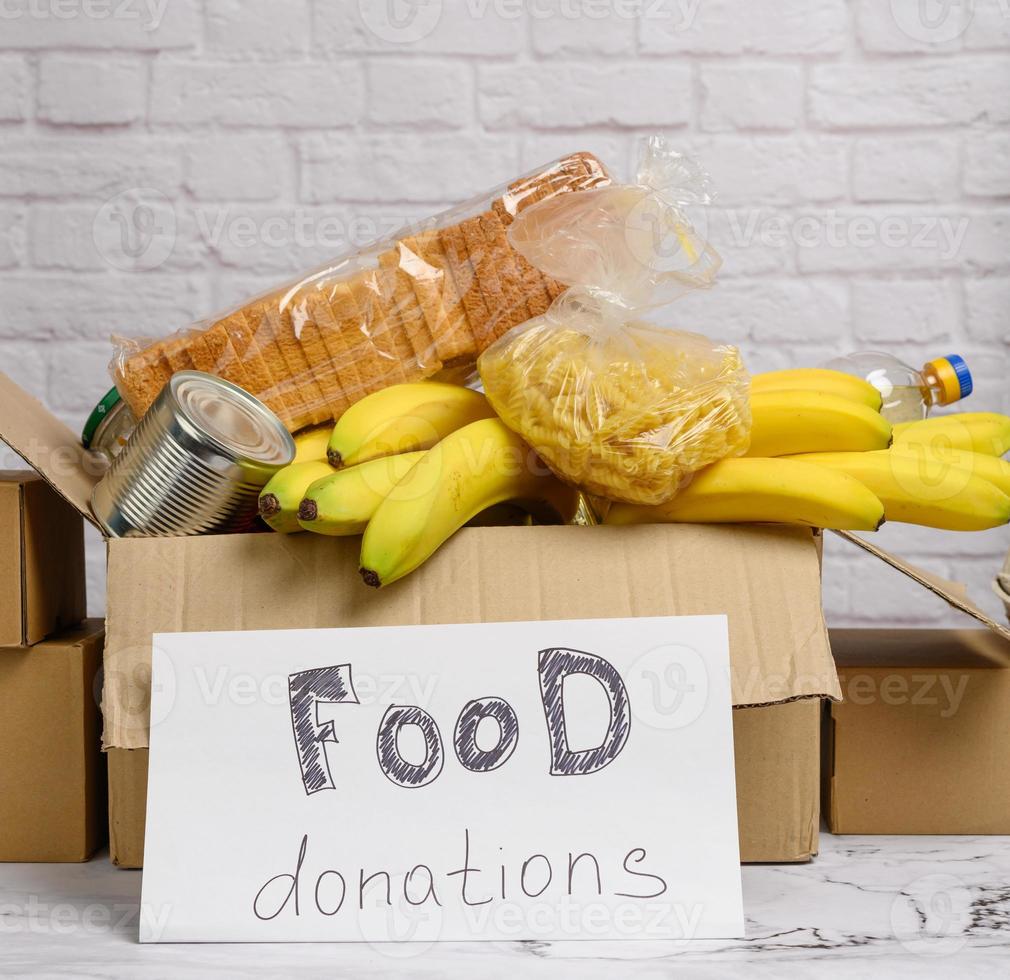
point(862, 158)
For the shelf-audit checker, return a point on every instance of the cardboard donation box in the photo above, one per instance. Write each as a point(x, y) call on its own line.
point(52, 772)
point(41, 561)
point(765, 580)
point(919, 743)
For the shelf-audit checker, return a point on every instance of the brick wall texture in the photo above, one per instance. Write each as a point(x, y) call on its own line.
point(162, 158)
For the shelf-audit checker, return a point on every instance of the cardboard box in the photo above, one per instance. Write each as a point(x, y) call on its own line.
point(52, 772)
point(919, 743)
point(41, 561)
point(766, 579)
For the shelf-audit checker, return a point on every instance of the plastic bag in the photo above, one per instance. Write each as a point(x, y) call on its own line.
point(614, 404)
point(421, 304)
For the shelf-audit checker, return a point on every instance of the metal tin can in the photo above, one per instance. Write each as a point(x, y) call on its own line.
point(108, 427)
point(195, 464)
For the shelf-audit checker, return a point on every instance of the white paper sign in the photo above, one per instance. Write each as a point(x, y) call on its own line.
point(507, 781)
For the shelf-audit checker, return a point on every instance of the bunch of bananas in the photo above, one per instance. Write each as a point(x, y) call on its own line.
point(822, 455)
point(407, 467)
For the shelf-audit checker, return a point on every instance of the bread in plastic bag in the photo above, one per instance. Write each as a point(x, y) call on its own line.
point(424, 302)
point(615, 403)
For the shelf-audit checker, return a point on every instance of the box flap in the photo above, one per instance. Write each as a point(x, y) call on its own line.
point(908, 648)
point(765, 579)
point(12, 571)
point(55, 452)
point(952, 593)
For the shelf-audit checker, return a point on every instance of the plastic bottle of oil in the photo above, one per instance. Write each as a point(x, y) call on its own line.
point(908, 394)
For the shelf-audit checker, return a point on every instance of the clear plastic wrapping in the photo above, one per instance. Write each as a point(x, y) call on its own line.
point(612, 402)
point(421, 304)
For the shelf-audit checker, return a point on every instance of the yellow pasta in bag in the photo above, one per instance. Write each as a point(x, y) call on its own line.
point(613, 403)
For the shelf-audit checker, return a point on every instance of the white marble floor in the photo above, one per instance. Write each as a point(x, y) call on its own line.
point(918, 907)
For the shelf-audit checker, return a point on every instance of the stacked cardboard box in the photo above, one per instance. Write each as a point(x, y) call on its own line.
point(919, 741)
point(52, 772)
point(51, 769)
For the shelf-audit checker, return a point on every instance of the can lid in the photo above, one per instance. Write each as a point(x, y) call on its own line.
point(954, 377)
point(239, 425)
point(99, 415)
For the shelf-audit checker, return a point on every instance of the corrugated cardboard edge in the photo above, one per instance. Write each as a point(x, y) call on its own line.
point(96, 828)
point(947, 591)
point(23, 562)
point(127, 806)
point(49, 446)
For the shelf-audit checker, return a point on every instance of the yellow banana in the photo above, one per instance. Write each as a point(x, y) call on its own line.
point(819, 379)
point(403, 419)
point(280, 498)
point(480, 465)
point(790, 422)
point(948, 498)
point(779, 491)
point(311, 444)
point(990, 468)
point(344, 501)
point(980, 432)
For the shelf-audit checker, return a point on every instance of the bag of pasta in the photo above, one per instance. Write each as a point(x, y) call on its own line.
point(614, 402)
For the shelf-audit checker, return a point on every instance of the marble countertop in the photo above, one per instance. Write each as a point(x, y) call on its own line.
point(867, 906)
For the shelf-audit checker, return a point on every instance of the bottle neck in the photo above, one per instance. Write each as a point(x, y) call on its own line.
point(932, 389)
point(946, 379)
